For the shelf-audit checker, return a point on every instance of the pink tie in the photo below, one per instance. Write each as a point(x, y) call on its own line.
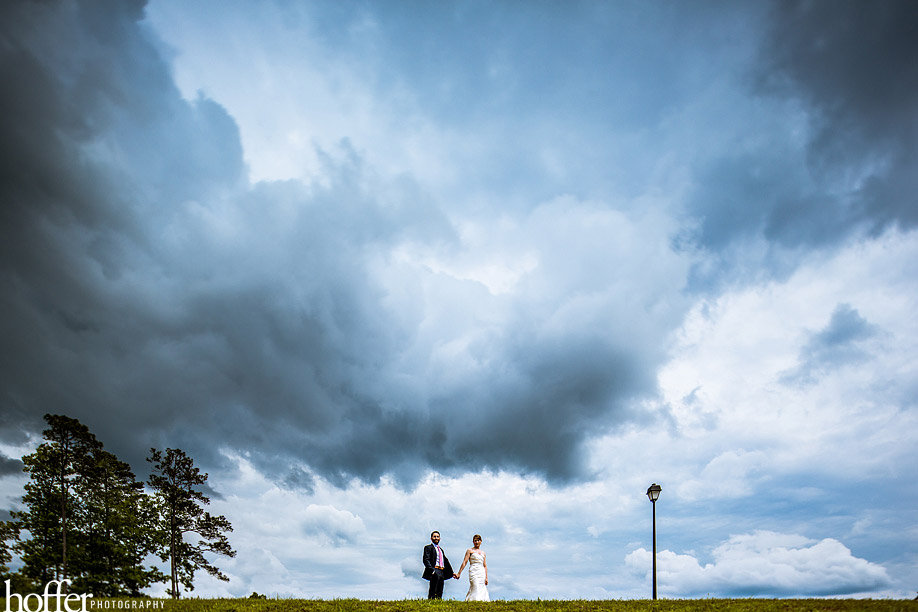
point(439, 557)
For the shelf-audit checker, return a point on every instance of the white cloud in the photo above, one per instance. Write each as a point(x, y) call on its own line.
point(339, 527)
point(764, 563)
point(726, 384)
point(729, 474)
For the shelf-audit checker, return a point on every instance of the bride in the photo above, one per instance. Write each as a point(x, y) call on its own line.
point(478, 571)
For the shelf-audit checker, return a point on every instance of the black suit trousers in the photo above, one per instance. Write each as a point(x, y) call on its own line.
point(436, 584)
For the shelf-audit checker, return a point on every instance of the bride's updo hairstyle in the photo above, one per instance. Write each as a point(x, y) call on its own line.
point(476, 537)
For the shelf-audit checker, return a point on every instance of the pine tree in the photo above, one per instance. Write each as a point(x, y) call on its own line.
point(39, 552)
point(86, 516)
point(173, 480)
point(118, 531)
point(55, 468)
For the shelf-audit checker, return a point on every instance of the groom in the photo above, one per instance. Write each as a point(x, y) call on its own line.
point(436, 567)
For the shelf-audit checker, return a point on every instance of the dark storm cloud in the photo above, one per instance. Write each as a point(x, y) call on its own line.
point(151, 292)
point(98, 152)
point(852, 67)
point(530, 415)
point(840, 343)
point(856, 65)
point(8, 465)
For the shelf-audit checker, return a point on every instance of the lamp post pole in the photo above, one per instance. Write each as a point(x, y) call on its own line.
point(653, 505)
point(653, 492)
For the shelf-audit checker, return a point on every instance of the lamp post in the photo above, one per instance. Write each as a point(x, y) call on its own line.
point(653, 492)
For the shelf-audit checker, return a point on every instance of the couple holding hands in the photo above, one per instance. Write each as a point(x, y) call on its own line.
point(437, 569)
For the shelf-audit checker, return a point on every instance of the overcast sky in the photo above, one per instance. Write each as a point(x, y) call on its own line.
point(481, 267)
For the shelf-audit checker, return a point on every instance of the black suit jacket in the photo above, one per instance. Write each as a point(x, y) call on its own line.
point(430, 562)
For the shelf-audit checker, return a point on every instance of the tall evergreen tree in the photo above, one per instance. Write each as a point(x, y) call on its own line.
point(86, 516)
point(55, 468)
point(39, 552)
point(174, 481)
point(118, 531)
point(73, 447)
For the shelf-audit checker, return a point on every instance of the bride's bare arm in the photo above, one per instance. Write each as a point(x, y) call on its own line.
point(484, 562)
point(464, 561)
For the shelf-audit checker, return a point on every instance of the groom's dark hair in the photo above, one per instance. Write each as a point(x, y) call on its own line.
point(434, 532)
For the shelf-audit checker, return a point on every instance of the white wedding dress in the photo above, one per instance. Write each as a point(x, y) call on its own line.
point(478, 590)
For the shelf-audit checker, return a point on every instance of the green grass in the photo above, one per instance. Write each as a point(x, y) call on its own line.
point(422, 605)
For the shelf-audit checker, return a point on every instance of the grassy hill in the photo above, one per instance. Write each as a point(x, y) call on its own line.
point(422, 605)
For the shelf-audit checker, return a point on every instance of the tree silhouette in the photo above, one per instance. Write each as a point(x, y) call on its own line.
point(87, 517)
point(118, 531)
point(180, 514)
point(56, 468)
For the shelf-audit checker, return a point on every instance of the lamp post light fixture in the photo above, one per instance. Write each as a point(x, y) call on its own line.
point(653, 492)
